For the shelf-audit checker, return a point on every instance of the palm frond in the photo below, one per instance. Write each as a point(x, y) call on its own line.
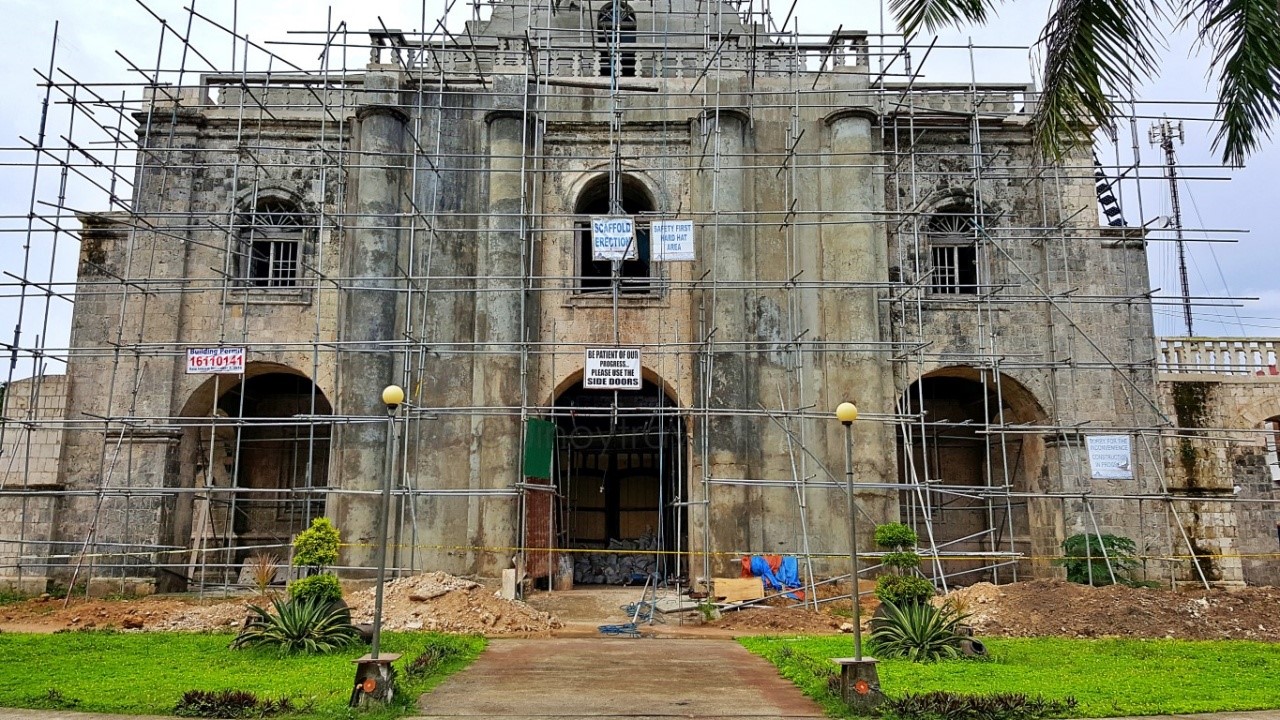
point(1245, 36)
point(934, 14)
point(1092, 48)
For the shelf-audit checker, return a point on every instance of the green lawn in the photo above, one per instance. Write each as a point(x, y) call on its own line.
point(146, 673)
point(1107, 677)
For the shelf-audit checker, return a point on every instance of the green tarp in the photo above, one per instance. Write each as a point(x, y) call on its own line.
point(539, 446)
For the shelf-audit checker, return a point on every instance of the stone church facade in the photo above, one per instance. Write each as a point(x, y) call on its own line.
point(424, 222)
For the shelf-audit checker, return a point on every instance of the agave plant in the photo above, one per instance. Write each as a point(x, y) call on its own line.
point(307, 625)
point(918, 632)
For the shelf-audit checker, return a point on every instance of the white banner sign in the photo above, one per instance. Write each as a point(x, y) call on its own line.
point(1110, 457)
point(612, 369)
point(207, 361)
point(672, 240)
point(613, 238)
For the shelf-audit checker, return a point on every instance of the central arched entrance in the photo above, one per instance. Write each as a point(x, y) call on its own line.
point(620, 479)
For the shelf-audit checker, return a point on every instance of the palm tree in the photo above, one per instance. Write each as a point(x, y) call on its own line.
point(1094, 48)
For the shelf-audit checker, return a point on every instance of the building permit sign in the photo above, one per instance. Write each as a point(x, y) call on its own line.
point(673, 240)
point(613, 238)
point(1110, 457)
point(210, 361)
point(612, 369)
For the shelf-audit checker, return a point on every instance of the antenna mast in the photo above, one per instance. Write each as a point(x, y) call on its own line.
point(1162, 134)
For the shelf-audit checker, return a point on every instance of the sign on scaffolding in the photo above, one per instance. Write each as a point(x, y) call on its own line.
point(613, 238)
point(210, 361)
point(1110, 457)
point(673, 240)
point(612, 369)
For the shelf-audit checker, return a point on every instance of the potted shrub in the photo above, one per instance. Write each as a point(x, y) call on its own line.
point(315, 549)
point(903, 585)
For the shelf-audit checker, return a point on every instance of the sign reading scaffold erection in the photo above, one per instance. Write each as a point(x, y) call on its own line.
point(613, 238)
point(612, 369)
point(209, 361)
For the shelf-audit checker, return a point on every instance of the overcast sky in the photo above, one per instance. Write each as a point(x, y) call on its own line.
point(98, 40)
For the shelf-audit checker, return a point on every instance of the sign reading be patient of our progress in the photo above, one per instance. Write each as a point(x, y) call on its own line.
point(613, 238)
point(210, 361)
point(612, 369)
point(673, 240)
point(1110, 457)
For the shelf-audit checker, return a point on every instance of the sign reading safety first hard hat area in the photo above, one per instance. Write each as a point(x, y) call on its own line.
point(612, 369)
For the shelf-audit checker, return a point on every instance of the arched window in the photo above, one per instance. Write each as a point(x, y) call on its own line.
point(953, 252)
point(271, 243)
point(594, 275)
point(616, 23)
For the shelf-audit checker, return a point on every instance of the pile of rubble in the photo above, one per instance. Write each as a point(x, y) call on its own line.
point(614, 567)
point(442, 602)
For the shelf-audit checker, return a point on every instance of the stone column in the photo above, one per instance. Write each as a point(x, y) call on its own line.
point(369, 302)
point(499, 325)
point(853, 250)
point(726, 242)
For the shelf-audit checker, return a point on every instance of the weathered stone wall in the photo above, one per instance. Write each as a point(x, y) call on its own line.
point(30, 442)
point(1056, 362)
point(1216, 463)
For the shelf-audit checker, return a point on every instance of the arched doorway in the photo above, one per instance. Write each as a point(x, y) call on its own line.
point(620, 479)
point(261, 456)
point(963, 448)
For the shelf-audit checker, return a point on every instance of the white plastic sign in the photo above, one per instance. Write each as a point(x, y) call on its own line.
point(613, 238)
point(1110, 457)
point(673, 240)
point(612, 369)
point(208, 361)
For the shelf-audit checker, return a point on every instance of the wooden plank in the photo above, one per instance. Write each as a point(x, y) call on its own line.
point(735, 590)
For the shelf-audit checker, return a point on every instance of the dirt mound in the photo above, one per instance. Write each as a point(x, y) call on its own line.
point(1058, 607)
point(439, 601)
point(147, 613)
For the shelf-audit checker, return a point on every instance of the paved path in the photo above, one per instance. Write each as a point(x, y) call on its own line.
point(632, 678)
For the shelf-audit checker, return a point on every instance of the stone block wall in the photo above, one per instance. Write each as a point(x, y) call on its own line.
point(1219, 464)
point(30, 443)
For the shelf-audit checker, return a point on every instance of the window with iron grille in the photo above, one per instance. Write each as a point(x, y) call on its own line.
point(616, 23)
point(953, 253)
point(271, 244)
point(634, 276)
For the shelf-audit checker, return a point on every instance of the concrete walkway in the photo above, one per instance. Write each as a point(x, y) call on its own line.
point(604, 678)
point(633, 678)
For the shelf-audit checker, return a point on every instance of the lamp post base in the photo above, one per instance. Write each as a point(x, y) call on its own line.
point(859, 683)
point(375, 680)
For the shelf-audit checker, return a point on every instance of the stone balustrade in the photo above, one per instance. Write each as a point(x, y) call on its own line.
point(1218, 356)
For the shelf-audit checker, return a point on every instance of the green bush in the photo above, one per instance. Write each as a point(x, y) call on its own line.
point(895, 536)
point(305, 626)
point(323, 588)
point(901, 560)
point(228, 704)
point(904, 590)
point(918, 632)
point(317, 546)
point(941, 705)
point(1083, 556)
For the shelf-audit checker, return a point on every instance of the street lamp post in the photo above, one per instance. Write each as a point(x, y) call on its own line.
point(374, 674)
point(847, 412)
point(392, 396)
point(859, 681)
